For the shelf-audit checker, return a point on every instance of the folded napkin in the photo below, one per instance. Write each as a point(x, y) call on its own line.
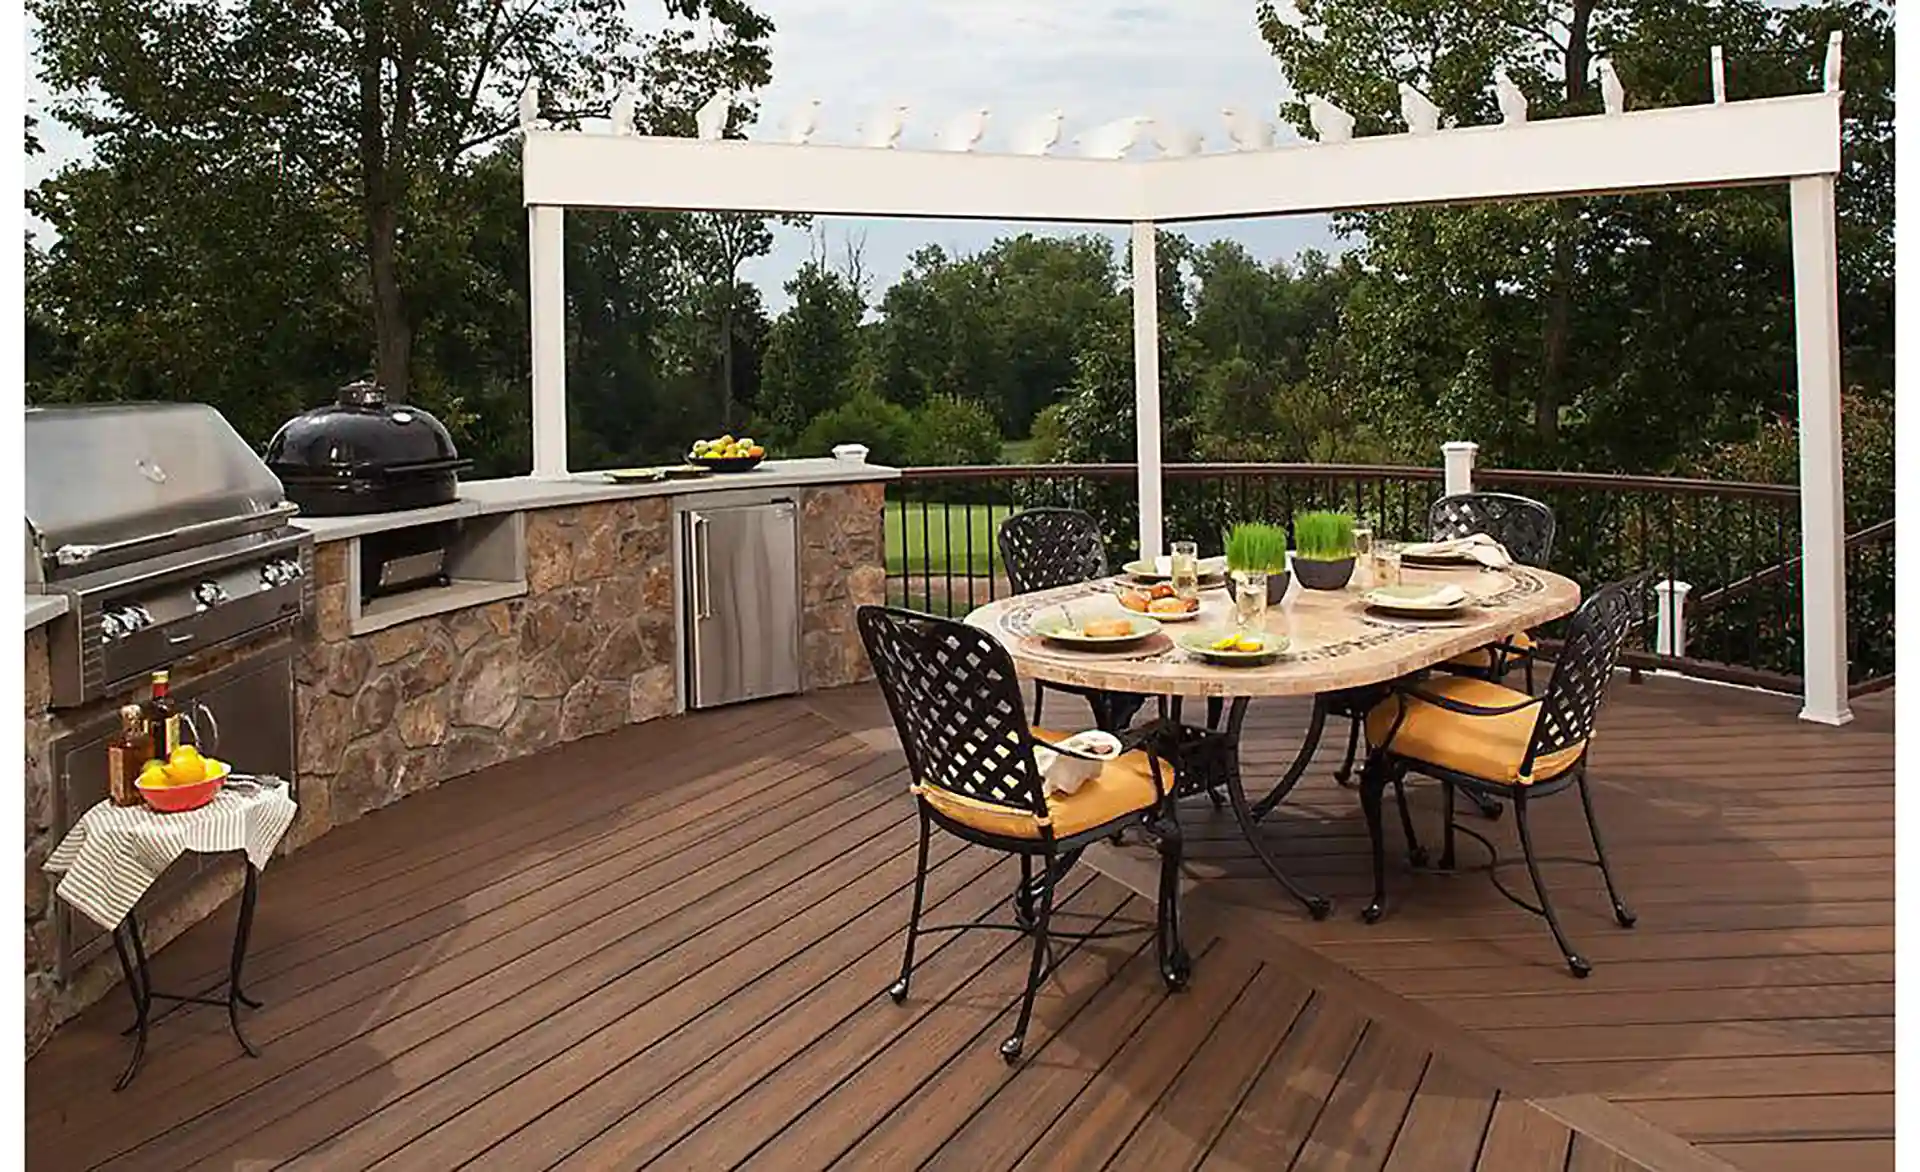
point(1063, 774)
point(1478, 546)
point(1444, 594)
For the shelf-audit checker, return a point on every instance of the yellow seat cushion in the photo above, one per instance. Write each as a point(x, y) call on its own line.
point(1489, 747)
point(1481, 658)
point(1123, 786)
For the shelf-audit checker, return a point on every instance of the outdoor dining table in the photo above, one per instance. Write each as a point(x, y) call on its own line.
point(1339, 651)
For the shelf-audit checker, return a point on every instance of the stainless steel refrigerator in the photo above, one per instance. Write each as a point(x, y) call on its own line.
point(742, 603)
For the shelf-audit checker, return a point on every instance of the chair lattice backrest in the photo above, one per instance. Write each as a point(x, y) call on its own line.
point(1047, 547)
point(1584, 667)
point(956, 704)
point(1521, 524)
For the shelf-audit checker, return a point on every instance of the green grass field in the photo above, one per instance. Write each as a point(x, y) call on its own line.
point(937, 542)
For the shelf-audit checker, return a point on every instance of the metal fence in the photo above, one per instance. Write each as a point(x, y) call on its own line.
point(1735, 546)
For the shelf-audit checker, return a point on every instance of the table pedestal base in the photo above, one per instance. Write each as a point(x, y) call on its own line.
point(133, 966)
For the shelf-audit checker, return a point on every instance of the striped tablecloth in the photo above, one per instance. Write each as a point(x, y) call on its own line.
point(114, 853)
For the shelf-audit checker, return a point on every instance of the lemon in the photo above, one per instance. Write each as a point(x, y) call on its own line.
point(1226, 643)
point(1248, 645)
point(154, 776)
point(185, 766)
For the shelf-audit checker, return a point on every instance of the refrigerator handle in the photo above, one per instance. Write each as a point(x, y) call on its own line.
point(702, 586)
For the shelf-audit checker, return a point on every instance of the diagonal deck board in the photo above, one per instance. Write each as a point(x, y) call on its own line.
point(678, 960)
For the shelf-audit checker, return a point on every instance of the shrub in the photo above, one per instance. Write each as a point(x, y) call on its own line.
point(886, 428)
point(951, 430)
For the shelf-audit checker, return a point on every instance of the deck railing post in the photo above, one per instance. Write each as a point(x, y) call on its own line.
point(1670, 630)
point(1146, 383)
point(1457, 460)
point(1816, 319)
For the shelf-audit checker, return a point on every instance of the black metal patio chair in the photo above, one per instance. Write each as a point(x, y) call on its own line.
point(1478, 736)
point(956, 704)
point(1522, 525)
point(1526, 528)
point(1046, 547)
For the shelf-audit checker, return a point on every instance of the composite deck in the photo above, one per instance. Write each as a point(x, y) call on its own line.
point(668, 947)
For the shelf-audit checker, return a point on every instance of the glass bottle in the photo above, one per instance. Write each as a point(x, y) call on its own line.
point(163, 718)
point(127, 753)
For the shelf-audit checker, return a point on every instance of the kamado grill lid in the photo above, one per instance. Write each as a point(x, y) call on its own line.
point(365, 455)
point(361, 434)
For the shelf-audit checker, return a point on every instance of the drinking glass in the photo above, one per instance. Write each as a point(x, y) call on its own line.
point(1362, 539)
point(1386, 565)
point(1185, 569)
point(1250, 601)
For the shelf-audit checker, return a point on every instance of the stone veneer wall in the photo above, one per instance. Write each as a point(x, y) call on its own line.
point(588, 649)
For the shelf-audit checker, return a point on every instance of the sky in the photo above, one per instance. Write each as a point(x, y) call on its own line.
point(1097, 60)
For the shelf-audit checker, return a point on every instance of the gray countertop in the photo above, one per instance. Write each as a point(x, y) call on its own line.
point(44, 608)
point(479, 498)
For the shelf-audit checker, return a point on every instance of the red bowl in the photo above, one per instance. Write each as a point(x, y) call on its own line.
point(178, 799)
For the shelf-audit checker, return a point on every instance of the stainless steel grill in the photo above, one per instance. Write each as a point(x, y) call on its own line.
point(165, 531)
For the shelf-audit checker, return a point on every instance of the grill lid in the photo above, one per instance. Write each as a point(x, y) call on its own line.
point(113, 483)
point(360, 435)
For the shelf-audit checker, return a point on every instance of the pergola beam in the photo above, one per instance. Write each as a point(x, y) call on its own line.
point(1771, 140)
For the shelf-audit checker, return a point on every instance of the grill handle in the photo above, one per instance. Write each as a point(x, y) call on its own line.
point(79, 554)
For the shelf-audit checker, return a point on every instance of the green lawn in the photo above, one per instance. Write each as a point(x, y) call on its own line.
point(933, 538)
point(1018, 451)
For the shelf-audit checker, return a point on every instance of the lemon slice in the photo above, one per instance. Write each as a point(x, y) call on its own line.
point(1248, 645)
point(1225, 643)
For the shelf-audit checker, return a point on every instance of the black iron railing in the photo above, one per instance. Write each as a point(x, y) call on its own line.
point(1735, 544)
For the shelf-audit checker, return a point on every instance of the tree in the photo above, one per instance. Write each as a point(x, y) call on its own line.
point(1613, 332)
point(812, 351)
point(372, 108)
point(1000, 328)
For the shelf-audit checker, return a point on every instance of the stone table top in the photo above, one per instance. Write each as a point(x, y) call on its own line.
point(1334, 641)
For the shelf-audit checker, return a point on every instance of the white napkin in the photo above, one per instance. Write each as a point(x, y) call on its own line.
point(1478, 546)
point(1443, 594)
point(1063, 774)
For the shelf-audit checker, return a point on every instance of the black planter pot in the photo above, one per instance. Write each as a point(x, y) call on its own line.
point(1277, 582)
point(1323, 575)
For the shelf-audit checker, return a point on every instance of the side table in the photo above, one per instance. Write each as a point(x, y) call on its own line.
point(113, 854)
point(126, 935)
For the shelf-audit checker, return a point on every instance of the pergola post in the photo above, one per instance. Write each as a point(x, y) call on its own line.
point(1146, 383)
point(1816, 319)
point(547, 295)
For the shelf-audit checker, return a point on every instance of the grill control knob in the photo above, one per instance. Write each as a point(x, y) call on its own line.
point(280, 572)
point(208, 594)
point(118, 624)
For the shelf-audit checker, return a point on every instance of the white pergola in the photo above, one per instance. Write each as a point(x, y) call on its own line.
point(1793, 140)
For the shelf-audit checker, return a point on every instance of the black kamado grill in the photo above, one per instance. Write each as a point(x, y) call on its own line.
point(365, 455)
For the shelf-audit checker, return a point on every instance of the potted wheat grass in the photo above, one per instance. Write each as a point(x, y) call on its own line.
point(1323, 549)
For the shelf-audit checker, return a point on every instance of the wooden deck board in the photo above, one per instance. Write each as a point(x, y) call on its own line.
point(679, 961)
